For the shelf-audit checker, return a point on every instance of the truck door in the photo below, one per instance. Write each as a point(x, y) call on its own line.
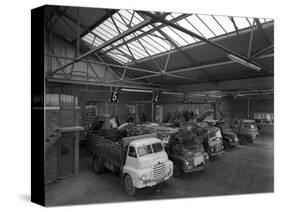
point(131, 157)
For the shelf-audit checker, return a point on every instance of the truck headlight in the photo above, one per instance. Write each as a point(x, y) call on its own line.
point(186, 163)
point(143, 177)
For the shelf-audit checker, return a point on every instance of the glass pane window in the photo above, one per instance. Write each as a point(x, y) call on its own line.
point(225, 23)
point(241, 22)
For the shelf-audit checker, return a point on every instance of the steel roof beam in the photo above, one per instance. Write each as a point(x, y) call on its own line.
point(108, 84)
point(148, 32)
point(108, 14)
point(110, 64)
point(182, 29)
point(179, 49)
point(107, 43)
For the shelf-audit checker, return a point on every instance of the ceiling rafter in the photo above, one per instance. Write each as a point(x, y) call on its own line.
point(148, 32)
point(180, 28)
point(210, 77)
point(109, 42)
point(140, 43)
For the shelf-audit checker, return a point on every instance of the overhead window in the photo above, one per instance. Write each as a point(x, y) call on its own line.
point(159, 38)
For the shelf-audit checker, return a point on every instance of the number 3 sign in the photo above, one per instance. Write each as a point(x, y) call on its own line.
point(114, 96)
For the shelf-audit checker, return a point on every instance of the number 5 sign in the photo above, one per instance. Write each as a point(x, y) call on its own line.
point(155, 97)
point(114, 96)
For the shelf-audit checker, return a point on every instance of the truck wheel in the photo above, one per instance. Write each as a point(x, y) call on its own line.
point(243, 140)
point(176, 171)
point(97, 165)
point(129, 186)
point(226, 144)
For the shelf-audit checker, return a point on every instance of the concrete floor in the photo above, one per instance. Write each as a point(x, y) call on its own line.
point(246, 169)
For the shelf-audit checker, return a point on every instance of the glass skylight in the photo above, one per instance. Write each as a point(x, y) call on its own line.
point(152, 40)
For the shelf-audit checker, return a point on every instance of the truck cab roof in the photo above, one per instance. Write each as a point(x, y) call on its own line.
point(144, 141)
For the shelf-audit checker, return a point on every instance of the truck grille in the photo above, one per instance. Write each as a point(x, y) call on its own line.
point(217, 148)
point(159, 172)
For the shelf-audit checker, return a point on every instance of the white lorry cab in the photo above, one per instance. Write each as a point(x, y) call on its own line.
point(141, 160)
point(147, 164)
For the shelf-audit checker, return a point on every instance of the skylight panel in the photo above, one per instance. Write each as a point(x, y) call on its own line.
point(204, 31)
point(126, 15)
point(157, 34)
point(226, 23)
point(137, 51)
point(139, 48)
point(262, 20)
point(175, 15)
point(149, 47)
point(119, 59)
point(179, 41)
point(110, 30)
point(87, 39)
point(146, 46)
point(160, 42)
point(241, 23)
point(147, 28)
point(120, 24)
point(156, 39)
point(212, 24)
point(251, 21)
point(111, 27)
point(184, 23)
point(124, 49)
point(102, 32)
point(97, 42)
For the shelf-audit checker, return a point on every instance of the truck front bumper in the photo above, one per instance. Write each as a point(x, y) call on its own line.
point(151, 182)
point(216, 154)
point(188, 169)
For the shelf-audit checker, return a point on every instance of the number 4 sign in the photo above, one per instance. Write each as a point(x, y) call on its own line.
point(114, 96)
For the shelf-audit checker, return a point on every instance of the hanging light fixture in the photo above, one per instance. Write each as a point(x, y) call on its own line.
point(243, 62)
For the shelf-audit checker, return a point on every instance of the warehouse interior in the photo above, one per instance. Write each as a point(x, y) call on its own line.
point(154, 67)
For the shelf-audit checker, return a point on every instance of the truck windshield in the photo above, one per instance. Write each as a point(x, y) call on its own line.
point(157, 147)
point(214, 134)
point(251, 125)
point(144, 150)
point(147, 149)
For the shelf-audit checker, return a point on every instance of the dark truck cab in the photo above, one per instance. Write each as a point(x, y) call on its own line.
point(246, 130)
point(184, 149)
point(212, 137)
point(187, 153)
point(230, 139)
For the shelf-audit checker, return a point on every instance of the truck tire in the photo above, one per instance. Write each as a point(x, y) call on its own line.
point(97, 165)
point(243, 140)
point(129, 187)
point(176, 171)
point(226, 144)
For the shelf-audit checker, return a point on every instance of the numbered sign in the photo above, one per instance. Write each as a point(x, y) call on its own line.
point(186, 99)
point(114, 96)
point(156, 96)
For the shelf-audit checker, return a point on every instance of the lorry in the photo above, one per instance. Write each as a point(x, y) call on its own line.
point(184, 149)
point(187, 153)
point(246, 130)
point(230, 138)
point(212, 137)
point(140, 160)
